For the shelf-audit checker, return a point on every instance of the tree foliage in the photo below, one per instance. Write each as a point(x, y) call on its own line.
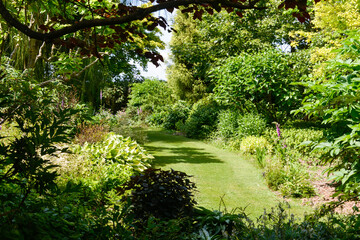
point(264, 79)
point(44, 120)
point(109, 13)
point(51, 61)
point(336, 102)
point(197, 46)
point(332, 20)
point(61, 34)
point(149, 96)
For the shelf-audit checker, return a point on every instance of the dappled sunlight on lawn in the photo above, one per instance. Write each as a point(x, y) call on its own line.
point(218, 174)
point(181, 155)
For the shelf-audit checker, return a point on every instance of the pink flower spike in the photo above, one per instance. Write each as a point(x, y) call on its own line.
point(278, 130)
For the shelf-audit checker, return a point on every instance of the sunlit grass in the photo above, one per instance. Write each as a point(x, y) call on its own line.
point(218, 174)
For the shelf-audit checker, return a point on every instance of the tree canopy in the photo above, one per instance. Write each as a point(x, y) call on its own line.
point(199, 46)
point(64, 18)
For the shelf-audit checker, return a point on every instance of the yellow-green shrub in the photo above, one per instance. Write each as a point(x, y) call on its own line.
point(249, 144)
point(294, 137)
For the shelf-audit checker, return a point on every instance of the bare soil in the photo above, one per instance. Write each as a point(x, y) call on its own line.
point(325, 189)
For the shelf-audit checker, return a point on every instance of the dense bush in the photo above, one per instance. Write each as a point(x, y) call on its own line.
point(251, 144)
point(294, 138)
point(160, 229)
point(42, 219)
point(45, 122)
point(264, 78)
point(159, 193)
point(202, 119)
point(157, 119)
point(120, 123)
point(177, 115)
point(233, 126)
point(250, 124)
point(149, 96)
point(104, 117)
point(43, 125)
point(278, 224)
point(217, 224)
point(76, 211)
point(227, 124)
point(291, 179)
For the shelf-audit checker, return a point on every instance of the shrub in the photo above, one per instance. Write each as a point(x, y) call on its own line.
point(291, 179)
point(260, 156)
point(294, 137)
point(42, 219)
point(104, 117)
point(157, 118)
point(177, 115)
point(217, 224)
point(150, 96)
point(159, 193)
point(44, 124)
point(275, 224)
point(116, 149)
point(234, 144)
point(121, 123)
point(264, 78)
point(90, 133)
point(279, 224)
point(202, 119)
point(160, 229)
point(103, 166)
point(250, 144)
point(227, 124)
point(42, 129)
point(250, 124)
point(126, 127)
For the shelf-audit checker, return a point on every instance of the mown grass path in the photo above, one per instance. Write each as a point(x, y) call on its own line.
point(216, 172)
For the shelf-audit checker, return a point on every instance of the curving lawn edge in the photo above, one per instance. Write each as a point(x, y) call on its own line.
point(218, 174)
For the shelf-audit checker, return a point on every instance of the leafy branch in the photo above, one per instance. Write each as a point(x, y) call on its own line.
point(133, 13)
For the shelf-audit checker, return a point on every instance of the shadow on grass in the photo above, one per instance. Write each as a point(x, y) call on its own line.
point(180, 155)
point(164, 136)
point(172, 155)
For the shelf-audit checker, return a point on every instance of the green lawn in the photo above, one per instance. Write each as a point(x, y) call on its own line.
point(217, 173)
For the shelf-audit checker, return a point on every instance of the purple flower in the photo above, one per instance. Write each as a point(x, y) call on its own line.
point(139, 111)
point(100, 95)
point(62, 104)
point(278, 130)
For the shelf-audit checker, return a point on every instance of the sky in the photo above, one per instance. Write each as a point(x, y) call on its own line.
point(160, 72)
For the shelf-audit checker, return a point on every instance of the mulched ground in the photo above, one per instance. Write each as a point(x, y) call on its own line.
point(325, 189)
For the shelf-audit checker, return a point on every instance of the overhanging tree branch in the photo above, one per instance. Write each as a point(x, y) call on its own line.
point(135, 14)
